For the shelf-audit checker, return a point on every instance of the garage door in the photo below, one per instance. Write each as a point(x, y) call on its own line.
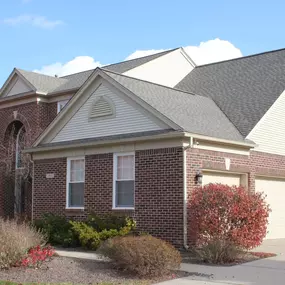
point(224, 178)
point(275, 191)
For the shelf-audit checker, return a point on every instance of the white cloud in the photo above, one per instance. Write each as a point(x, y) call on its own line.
point(141, 53)
point(79, 63)
point(206, 52)
point(37, 21)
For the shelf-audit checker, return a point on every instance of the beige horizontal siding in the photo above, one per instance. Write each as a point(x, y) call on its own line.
point(128, 119)
point(269, 133)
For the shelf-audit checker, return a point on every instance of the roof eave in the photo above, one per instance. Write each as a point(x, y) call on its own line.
point(173, 134)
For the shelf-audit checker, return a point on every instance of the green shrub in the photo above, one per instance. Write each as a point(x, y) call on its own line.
point(110, 222)
point(142, 255)
point(90, 237)
point(16, 240)
point(58, 230)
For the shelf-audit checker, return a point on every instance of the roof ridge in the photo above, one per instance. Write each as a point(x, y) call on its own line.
point(20, 70)
point(133, 59)
point(108, 65)
point(92, 69)
point(241, 57)
point(142, 80)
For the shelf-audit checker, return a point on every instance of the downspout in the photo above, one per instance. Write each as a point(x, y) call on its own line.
point(185, 198)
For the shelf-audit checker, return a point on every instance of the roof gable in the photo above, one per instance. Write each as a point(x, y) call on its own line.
point(80, 98)
point(243, 88)
point(76, 80)
point(178, 110)
point(16, 84)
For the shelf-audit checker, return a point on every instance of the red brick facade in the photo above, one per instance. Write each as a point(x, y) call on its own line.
point(158, 185)
point(34, 117)
point(158, 190)
point(158, 181)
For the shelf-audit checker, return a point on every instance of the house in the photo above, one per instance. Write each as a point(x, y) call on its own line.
point(136, 137)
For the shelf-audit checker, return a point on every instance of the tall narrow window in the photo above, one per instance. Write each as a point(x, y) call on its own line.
point(20, 144)
point(124, 181)
point(75, 182)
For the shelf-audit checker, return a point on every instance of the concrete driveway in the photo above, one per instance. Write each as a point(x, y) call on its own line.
point(261, 272)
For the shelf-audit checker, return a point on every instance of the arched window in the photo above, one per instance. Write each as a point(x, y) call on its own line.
point(20, 144)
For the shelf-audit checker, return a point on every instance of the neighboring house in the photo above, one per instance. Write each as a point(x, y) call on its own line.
point(136, 137)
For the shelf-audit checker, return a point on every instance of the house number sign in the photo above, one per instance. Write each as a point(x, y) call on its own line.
point(50, 175)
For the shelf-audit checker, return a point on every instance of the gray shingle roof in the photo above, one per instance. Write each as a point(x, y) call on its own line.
point(76, 80)
point(43, 83)
point(243, 88)
point(193, 113)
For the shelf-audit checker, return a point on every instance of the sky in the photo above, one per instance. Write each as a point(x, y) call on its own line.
point(62, 37)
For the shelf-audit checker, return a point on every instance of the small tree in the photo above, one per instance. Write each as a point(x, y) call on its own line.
point(227, 217)
point(17, 166)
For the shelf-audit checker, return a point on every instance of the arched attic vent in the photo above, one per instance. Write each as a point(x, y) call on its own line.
point(102, 107)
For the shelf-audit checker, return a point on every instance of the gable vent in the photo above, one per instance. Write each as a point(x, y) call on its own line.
point(101, 107)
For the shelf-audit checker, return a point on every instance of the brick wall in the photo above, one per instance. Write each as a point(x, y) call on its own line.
point(35, 117)
point(158, 190)
point(257, 163)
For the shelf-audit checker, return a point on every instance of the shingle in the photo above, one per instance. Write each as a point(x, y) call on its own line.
point(76, 80)
point(193, 113)
point(243, 88)
point(43, 83)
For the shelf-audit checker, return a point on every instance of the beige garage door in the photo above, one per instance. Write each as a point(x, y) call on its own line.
point(275, 191)
point(224, 178)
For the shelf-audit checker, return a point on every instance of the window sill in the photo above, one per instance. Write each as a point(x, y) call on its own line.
point(75, 209)
point(124, 208)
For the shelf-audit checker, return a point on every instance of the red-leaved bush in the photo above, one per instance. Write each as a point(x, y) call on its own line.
point(36, 256)
point(229, 215)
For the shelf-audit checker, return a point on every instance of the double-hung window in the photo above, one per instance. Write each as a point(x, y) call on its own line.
point(75, 182)
point(124, 181)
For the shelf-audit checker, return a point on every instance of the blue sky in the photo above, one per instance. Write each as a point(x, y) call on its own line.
point(52, 33)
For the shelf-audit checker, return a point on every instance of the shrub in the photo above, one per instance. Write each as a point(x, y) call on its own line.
point(36, 256)
point(218, 252)
point(142, 255)
point(223, 217)
point(90, 238)
point(16, 239)
point(58, 230)
point(110, 222)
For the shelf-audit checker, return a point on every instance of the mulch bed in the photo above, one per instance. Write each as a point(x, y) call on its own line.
point(76, 271)
point(188, 257)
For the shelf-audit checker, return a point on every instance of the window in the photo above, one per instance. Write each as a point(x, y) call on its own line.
point(20, 144)
point(75, 182)
point(61, 105)
point(124, 181)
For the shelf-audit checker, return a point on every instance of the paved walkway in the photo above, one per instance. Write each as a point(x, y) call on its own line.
point(269, 271)
point(261, 272)
point(79, 254)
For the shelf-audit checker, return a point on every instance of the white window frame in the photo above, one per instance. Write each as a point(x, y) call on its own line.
point(61, 102)
point(115, 174)
point(69, 159)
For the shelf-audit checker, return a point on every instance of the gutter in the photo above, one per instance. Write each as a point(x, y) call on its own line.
point(222, 141)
